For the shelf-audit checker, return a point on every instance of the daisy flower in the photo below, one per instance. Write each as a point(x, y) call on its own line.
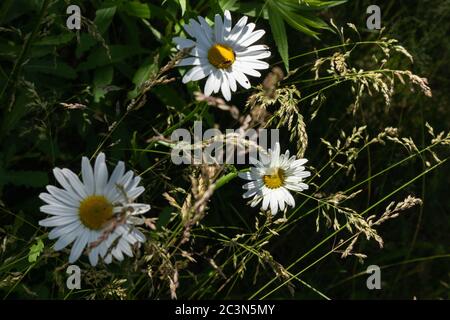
point(273, 177)
point(223, 54)
point(97, 212)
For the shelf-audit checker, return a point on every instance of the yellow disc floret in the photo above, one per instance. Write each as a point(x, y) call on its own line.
point(221, 56)
point(95, 211)
point(275, 179)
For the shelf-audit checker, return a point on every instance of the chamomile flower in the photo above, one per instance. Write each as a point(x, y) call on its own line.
point(224, 54)
point(97, 212)
point(272, 178)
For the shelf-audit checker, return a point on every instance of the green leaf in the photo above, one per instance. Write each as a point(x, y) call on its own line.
point(99, 57)
point(103, 18)
point(55, 68)
point(148, 67)
point(279, 34)
point(102, 78)
point(137, 9)
point(35, 251)
point(55, 40)
point(227, 4)
point(183, 5)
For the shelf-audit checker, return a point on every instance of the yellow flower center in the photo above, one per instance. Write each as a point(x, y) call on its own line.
point(275, 179)
point(95, 211)
point(221, 56)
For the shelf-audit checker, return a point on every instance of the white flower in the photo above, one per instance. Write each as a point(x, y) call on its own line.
point(97, 212)
point(273, 177)
point(223, 54)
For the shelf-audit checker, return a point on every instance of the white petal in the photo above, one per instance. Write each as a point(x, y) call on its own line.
point(79, 246)
point(68, 238)
point(58, 210)
point(237, 29)
point(218, 29)
point(48, 198)
point(192, 61)
point(68, 198)
point(225, 87)
point(252, 64)
point(60, 231)
point(231, 81)
point(251, 38)
point(183, 43)
point(252, 49)
point(100, 174)
point(136, 192)
point(75, 182)
point(58, 221)
point(206, 29)
point(197, 73)
point(209, 85)
point(227, 24)
point(248, 29)
point(88, 175)
point(217, 80)
point(241, 78)
point(64, 183)
point(139, 208)
point(274, 204)
point(256, 55)
point(266, 201)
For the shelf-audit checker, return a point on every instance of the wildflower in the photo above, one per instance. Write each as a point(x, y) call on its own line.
point(223, 54)
point(272, 178)
point(97, 212)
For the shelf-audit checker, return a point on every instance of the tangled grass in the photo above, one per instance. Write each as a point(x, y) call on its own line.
point(344, 106)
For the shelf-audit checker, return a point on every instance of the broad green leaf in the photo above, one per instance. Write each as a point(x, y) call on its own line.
point(35, 251)
point(227, 4)
point(55, 40)
point(148, 67)
point(279, 34)
point(136, 9)
point(99, 56)
point(103, 18)
point(56, 68)
point(183, 5)
point(102, 78)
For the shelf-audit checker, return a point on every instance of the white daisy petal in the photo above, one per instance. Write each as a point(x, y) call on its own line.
point(231, 81)
point(225, 87)
point(237, 29)
point(218, 29)
point(241, 78)
point(74, 210)
point(88, 175)
point(192, 61)
point(69, 199)
point(58, 210)
point(79, 246)
point(271, 180)
point(197, 73)
point(227, 24)
point(251, 38)
point(223, 53)
point(60, 231)
point(183, 43)
point(58, 221)
point(75, 182)
point(209, 85)
point(67, 238)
